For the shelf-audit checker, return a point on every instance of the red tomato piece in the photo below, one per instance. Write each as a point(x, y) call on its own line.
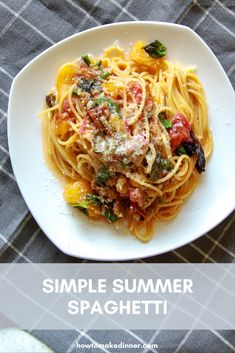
point(86, 72)
point(149, 104)
point(180, 131)
point(136, 196)
point(137, 91)
point(66, 108)
point(135, 209)
point(95, 114)
point(84, 125)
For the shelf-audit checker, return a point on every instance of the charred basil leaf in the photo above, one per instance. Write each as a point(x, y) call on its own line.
point(86, 85)
point(102, 176)
point(190, 148)
point(194, 147)
point(86, 59)
point(155, 49)
point(50, 100)
point(164, 120)
point(160, 164)
point(201, 161)
point(108, 213)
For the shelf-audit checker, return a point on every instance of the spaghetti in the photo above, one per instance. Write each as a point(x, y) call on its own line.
point(130, 133)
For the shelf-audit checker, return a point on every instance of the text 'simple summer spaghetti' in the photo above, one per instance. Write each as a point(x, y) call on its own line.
point(130, 133)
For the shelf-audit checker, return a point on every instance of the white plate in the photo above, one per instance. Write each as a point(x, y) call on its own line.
point(211, 202)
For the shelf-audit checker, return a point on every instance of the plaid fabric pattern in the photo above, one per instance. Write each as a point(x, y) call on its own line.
point(26, 29)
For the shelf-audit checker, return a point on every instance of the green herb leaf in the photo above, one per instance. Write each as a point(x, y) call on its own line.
point(91, 199)
point(104, 75)
point(99, 64)
point(113, 106)
point(86, 59)
point(102, 175)
point(82, 206)
point(155, 49)
point(165, 122)
point(94, 199)
point(160, 164)
point(181, 150)
point(111, 217)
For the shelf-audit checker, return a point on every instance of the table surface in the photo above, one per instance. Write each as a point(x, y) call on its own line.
point(26, 29)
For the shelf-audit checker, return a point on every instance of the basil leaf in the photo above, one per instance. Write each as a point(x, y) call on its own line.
point(160, 164)
point(113, 106)
point(194, 147)
point(90, 199)
point(86, 59)
point(201, 161)
point(94, 199)
point(155, 49)
point(165, 122)
point(102, 175)
point(104, 75)
point(99, 64)
point(82, 206)
point(181, 150)
point(111, 217)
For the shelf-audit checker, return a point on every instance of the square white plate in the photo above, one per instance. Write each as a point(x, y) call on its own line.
point(74, 234)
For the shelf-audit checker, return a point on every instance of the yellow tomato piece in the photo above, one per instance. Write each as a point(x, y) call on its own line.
point(65, 76)
point(139, 56)
point(114, 52)
point(76, 192)
point(94, 212)
point(105, 62)
point(111, 88)
point(62, 128)
point(116, 123)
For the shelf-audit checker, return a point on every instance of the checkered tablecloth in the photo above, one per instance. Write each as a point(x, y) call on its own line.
point(26, 29)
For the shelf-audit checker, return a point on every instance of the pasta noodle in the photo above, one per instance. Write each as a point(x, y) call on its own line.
point(129, 131)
